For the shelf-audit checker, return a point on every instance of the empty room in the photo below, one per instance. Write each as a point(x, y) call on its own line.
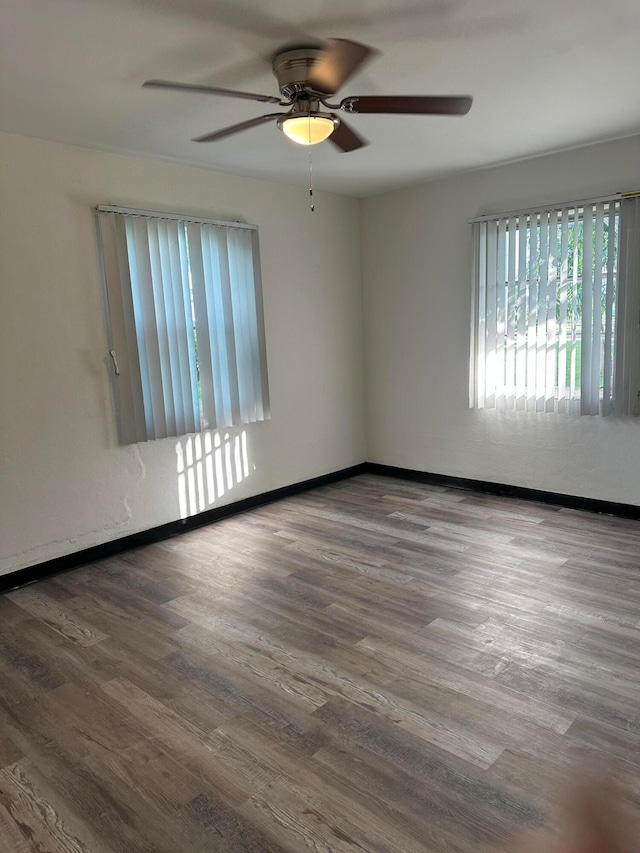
point(319, 426)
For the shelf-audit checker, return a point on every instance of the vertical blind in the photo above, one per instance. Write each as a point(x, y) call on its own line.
point(547, 307)
point(186, 323)
point(627, 377)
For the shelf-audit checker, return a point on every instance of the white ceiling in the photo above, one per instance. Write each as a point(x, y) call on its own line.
point(545, 75)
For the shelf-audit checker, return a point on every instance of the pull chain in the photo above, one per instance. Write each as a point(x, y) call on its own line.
point(313, 207)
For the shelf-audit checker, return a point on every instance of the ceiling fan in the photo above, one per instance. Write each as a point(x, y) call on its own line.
point(308, 77)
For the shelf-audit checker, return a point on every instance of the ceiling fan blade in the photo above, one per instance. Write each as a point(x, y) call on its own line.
point(367, 18)
point(337, 62)
point(345, 138)
point(419, 21)
point(211, 90)
point(245, 19)
point(236, 128)
point(450, 105)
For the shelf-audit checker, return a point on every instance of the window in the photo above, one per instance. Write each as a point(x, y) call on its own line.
point(555, 312)
point(186, 322)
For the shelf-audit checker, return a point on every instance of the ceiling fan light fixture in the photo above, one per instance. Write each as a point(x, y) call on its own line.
point(308, 129)
point(308, 77)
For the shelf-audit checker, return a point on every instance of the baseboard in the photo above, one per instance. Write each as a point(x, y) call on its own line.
point(504, 490)
point(20, 577)
point(174, 528)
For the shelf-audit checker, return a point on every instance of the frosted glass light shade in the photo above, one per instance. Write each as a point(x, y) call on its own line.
point(308, 130)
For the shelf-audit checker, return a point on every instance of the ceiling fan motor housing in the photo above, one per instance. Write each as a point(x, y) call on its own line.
point(292, 67)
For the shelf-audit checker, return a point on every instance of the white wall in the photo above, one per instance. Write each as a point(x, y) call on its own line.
point(416, 273)
point(65, 484)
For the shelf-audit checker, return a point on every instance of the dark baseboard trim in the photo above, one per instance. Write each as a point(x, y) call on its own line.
point(166, 531)
point(174, 528)
point(556, 498)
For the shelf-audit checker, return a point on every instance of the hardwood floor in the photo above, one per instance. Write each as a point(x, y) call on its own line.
point(373, 666)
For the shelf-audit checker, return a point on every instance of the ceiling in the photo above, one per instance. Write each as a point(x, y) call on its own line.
point(545, 75)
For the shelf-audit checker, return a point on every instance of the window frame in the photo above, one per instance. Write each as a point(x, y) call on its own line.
point(173, 284)
point(482, 376)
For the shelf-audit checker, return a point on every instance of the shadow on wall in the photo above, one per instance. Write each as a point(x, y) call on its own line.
point(209, 466)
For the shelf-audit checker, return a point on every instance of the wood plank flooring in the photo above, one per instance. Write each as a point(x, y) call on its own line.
point(373, 666)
